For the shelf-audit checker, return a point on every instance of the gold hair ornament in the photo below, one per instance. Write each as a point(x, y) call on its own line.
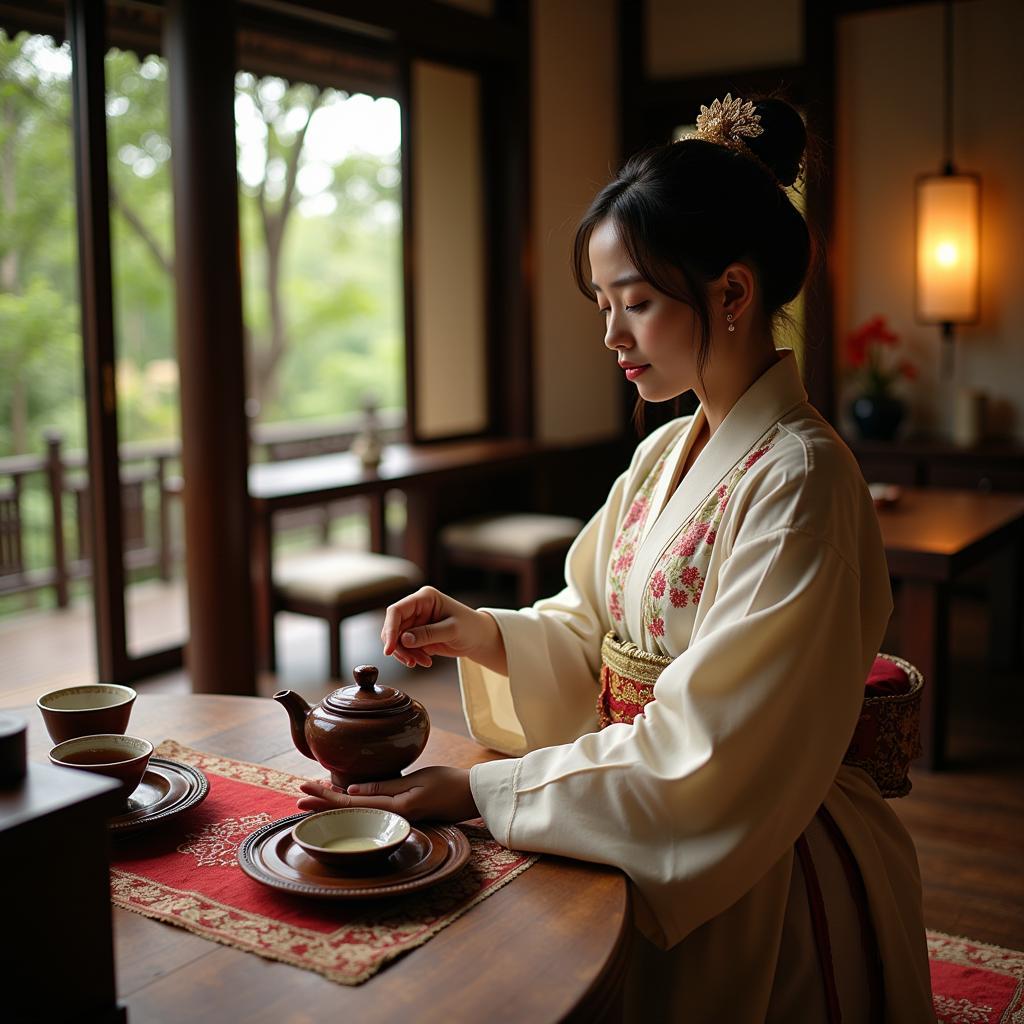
point(728, 122)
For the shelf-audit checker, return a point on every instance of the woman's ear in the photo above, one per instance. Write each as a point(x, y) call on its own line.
point(734, 290)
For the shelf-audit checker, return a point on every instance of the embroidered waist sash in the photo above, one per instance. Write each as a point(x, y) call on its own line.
point(884, 742)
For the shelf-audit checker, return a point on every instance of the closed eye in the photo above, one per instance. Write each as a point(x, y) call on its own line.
point(633, 309)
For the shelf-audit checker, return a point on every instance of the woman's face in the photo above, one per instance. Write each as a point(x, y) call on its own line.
point(653, 335)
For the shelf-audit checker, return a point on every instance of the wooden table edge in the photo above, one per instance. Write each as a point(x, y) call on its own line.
point(606, 987)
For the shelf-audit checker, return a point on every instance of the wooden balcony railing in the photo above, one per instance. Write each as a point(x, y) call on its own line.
point(44, 507)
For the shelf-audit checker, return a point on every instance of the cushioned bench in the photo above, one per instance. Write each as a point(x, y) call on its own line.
point(332, 584)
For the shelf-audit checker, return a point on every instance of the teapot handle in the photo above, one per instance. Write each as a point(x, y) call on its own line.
point(366, 677)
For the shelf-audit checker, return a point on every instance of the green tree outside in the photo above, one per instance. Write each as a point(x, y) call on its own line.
point(319, 207)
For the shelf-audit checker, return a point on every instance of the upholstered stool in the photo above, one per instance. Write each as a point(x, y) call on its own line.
point(332, 584)
point(524, 544)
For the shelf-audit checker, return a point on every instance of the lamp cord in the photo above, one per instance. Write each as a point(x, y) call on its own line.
point(948, 88)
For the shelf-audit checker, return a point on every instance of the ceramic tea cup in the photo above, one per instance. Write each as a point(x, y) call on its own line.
point(123, 758)
point(351, 838)
point(86, 710)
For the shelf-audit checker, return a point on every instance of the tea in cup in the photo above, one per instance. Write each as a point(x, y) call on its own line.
point(86, 710)
point(123, 758)
point(351, 837)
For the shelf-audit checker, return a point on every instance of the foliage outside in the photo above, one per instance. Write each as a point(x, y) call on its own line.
point(320, 220)
point(320, 245)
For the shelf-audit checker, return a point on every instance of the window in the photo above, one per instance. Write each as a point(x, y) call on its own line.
point(320, 216)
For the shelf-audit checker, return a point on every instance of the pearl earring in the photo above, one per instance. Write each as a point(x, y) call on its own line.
point(732, 326)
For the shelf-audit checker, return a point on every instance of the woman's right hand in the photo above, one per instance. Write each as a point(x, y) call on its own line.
point(428, 623)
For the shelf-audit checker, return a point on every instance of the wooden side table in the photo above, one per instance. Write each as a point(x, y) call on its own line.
point(930, 537)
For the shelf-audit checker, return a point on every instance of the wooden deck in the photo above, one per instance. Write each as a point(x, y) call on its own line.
point(966, 821)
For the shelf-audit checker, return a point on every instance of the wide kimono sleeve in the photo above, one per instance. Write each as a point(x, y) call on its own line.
point(554, 648)
point(702, 794)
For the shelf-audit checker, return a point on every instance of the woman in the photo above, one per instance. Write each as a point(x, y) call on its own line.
point(738, 573)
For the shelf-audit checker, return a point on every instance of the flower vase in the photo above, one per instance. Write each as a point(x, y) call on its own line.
point(878, 417)
point(368, 444)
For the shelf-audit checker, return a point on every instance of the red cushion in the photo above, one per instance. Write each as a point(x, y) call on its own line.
point(885, 679)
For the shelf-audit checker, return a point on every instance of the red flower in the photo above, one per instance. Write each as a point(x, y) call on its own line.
point(883, 334)
point(690, 575)
point(635, 512)
point(754, 456)
point(677, 597)
point(615, 606)
point(858, 342)
point(657, 627)
point(865, 351)
point(856, 349)
point(658, 584)
point(710, 538)
point(692, 537)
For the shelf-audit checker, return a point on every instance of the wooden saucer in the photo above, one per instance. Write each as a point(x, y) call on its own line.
point(167, 789)
point(431, 854)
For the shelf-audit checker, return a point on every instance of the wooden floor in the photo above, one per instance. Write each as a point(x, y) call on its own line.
point(967, 822)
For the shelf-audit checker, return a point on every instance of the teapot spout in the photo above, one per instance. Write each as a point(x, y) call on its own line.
point(297, 710)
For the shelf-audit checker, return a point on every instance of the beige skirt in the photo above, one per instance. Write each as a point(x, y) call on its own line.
point(706, 977)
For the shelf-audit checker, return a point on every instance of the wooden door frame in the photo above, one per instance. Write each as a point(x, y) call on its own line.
point(86, 32)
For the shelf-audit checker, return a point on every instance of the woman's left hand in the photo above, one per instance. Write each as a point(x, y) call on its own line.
point(429, 794)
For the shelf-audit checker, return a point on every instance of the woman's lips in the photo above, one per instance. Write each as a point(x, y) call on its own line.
point(632, 372)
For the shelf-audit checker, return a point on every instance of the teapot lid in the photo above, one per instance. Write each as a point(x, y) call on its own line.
point(366, 697)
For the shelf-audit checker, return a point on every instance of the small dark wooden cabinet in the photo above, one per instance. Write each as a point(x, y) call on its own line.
point(58, 951)
point(989, 466)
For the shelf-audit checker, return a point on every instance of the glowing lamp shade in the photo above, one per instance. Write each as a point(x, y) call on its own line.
point(948, 229)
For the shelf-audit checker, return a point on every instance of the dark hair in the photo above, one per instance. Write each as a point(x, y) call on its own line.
point(694, 207)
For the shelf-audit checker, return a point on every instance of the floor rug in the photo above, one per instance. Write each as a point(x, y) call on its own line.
point(974, 983)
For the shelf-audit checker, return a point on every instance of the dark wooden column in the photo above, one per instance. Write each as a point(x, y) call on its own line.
point(87, 35)
point(200, 50)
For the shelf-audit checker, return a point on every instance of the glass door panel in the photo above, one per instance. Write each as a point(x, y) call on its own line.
point(142, 257)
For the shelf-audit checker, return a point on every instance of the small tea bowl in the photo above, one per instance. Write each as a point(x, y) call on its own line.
point(99, 708)
point(123, 758)
point(351, 838)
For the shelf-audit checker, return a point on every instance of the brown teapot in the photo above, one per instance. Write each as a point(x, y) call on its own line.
point(361, 733)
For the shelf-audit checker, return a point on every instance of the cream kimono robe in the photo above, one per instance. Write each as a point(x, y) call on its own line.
point(763, 575)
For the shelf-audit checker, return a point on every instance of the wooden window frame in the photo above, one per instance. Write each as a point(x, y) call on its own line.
point(496, 48)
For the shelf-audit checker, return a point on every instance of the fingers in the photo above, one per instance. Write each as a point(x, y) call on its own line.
point(443, 632)
point(388, 796)
point(410, 611)
point(389, 787)
point(324, 793)
point(311, 803)
point(415, 623)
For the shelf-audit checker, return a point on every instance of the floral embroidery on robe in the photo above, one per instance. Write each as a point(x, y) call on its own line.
point(624, 551)
point(678, 577)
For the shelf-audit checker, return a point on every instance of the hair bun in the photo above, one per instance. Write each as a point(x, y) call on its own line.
point(781, 144)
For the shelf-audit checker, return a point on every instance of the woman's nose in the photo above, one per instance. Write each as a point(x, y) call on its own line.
point(614, 334)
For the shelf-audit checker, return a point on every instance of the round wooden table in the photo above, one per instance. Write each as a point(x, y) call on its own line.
point(551, 945)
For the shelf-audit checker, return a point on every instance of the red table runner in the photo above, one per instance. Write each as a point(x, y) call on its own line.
point(975, 983)
point(186, 873)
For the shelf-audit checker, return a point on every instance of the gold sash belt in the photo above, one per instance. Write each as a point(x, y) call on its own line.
point(884, 742)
